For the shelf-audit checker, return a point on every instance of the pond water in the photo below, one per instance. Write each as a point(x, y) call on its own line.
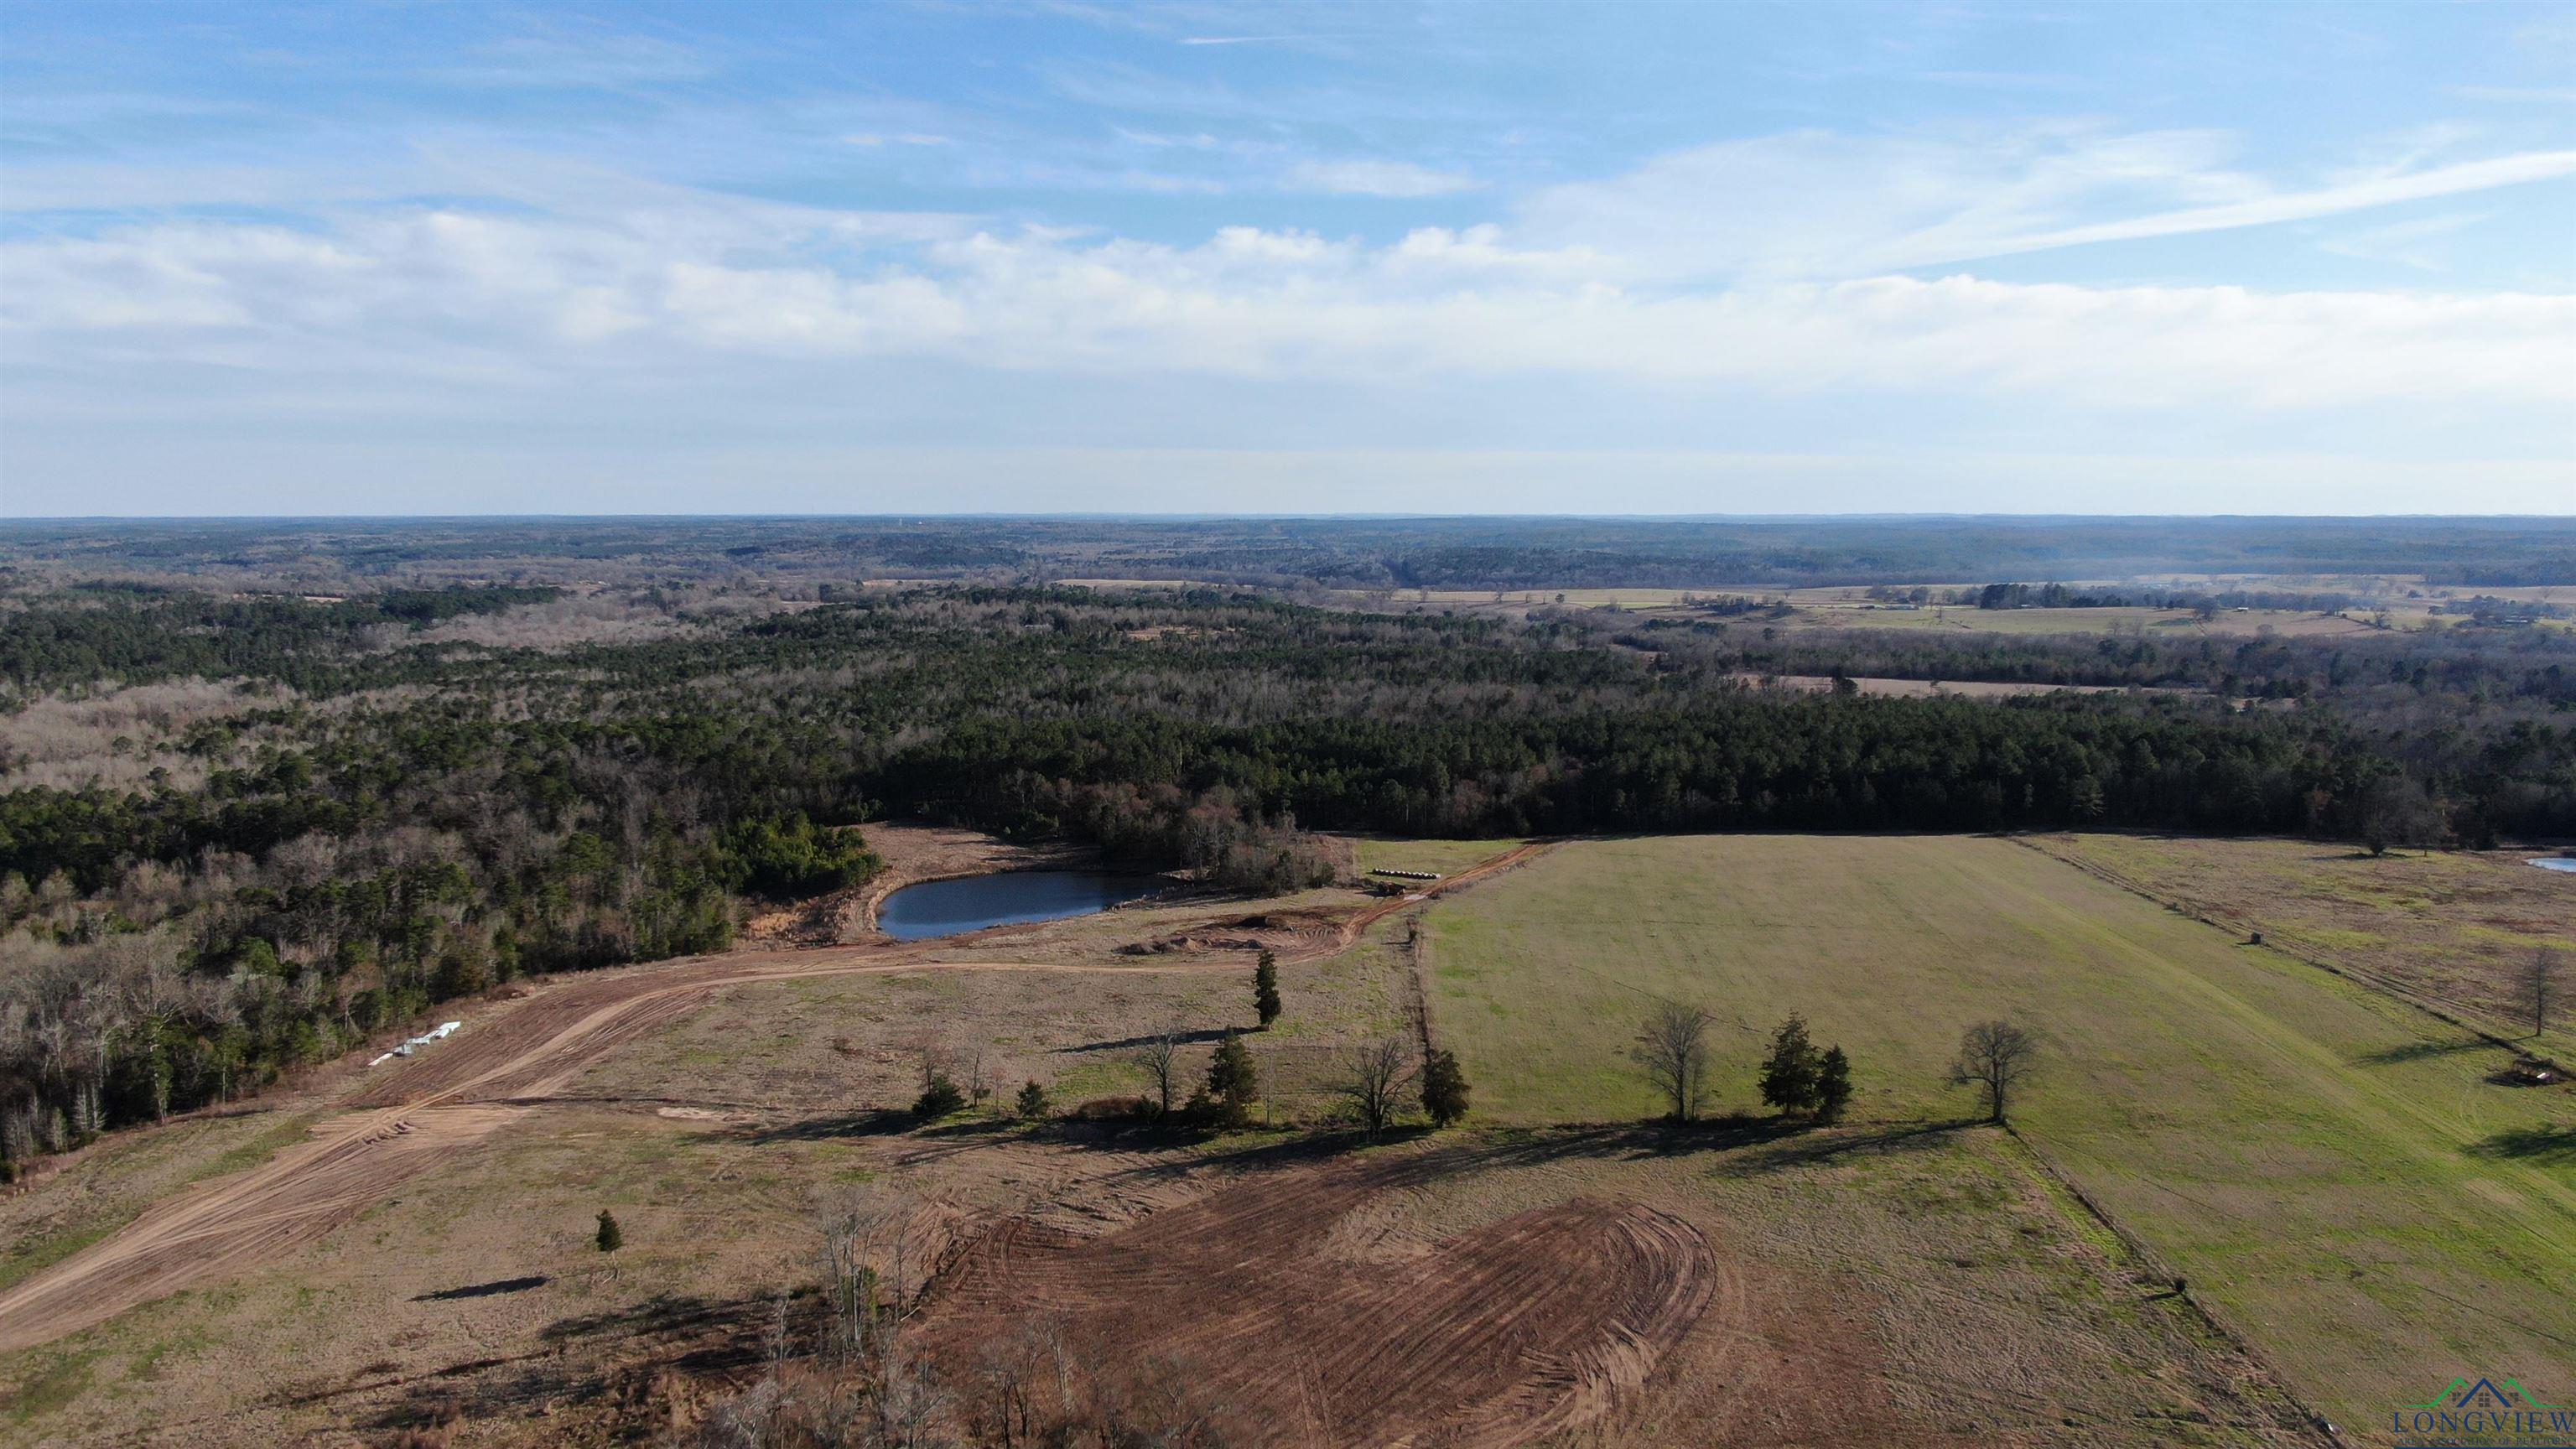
point(2556, 862)
point(970, 903)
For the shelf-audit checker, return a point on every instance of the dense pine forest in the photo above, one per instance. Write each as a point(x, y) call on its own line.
point(241, 831)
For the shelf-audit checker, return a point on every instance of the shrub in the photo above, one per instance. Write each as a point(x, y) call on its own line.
point(610, 1237)
point(938, 1099)
point(1033, 1102)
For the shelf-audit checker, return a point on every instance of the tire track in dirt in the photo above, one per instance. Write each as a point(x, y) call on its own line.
point(453, 1096)
point(305, 1191)
point(1527, 1327)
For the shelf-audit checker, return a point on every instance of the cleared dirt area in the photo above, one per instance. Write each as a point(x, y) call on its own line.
point(1522, 1328)
point(248, 1218)
point(2453, 928)
point(1929, 688)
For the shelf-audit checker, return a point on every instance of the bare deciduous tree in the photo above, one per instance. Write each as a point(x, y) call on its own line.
point(1673, 1050)
point(929, 1052)
point(1160, 1056)
point(1994, 1056)
point(2540, 987)
point(1372, 1077)
point(873, 1267)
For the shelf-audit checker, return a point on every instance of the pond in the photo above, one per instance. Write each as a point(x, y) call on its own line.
point(970, 903)
point(2556, 862)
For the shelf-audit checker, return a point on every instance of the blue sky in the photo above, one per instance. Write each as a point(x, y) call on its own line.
point(391, 258)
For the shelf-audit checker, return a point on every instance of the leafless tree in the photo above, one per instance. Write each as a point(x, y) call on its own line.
point(1673, 1050)
point(1372, 1077)
point(2540, 987)
point(873, 1267)
point(1028, 1385)
point(930, 1055)
point(1994, 1057)
point(1160, 1056)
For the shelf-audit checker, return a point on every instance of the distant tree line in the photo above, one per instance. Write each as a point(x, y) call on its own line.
point(364, 830)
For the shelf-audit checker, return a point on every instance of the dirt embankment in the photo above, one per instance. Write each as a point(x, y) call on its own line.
point(913, 854)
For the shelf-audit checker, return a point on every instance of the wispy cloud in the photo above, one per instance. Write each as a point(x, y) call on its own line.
point(2455, 180)
point(1378, 178)
point(2403, 242)
point(1818, 204)
point(707, 293)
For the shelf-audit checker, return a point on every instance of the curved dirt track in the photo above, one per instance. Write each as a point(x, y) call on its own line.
point(420, 1110)
point(1523, 1328)
point(250, 1217)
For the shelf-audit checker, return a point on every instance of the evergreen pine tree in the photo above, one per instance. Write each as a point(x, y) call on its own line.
point(609, 1239)
point(938, 1099)
point(1033, 1102)
point(1789, 1072)
point(1232, 1085)
point(1444, 1088)
point(1265, 987)
point(1833, 1084)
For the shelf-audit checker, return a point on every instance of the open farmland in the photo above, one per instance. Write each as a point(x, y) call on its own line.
point(1694, 1288)
point(2331, 1168)
point(2450, 927)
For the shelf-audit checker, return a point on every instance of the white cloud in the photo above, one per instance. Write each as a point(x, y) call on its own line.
point(1247, 303)
point(1732, 284)
point(1820, 205)
point(1377, 178)
point(2330, 201)
point(2404, 242)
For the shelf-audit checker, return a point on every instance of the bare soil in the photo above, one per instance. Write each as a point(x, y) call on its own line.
point(1532, 1325)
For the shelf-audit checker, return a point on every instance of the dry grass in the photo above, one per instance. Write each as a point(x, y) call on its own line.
point(2455, 926)
point(1917, 1291)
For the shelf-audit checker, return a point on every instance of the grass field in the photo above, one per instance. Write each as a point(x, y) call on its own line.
point(1444, 856)
point(2330, 1168)
point(2454, 925)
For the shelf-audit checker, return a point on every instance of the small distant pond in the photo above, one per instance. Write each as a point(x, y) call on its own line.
point(2557, 862)
point(970, 903)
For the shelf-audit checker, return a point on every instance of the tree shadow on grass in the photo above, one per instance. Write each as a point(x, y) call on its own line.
point(483, 1290)
point(2554, 1146)
point(1743, 1144)
point(597, 1356)
point(827, 1127)
point(1202, 1037)
point(1815, 1145)
point(2417, 1051)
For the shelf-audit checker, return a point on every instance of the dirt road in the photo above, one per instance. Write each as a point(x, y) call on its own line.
point(458, 1092)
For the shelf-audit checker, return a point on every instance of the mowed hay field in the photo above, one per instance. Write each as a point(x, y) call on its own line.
point(2331, 1169)
point(2457, 926)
